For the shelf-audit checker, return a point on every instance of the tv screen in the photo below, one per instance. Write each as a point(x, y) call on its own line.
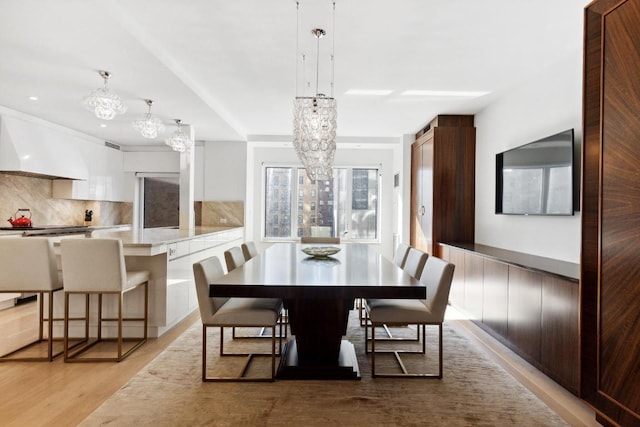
point(537, 178)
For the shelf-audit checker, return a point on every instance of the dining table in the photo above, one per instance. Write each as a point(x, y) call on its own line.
point(318, 293)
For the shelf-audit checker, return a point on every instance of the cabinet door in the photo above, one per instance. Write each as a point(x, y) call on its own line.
point(473, 293)
point(422, 195)
point(496, 296)
point(560, 355)
point(456, 295)
point(524, 312)
point(610, 289)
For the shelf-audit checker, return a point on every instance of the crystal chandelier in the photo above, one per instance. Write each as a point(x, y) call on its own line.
point(179, 141)
point(149, 125)
point(314, 124)
point(103, 102)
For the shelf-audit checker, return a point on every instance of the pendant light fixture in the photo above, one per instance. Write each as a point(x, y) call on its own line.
point(149, 125)
point(179, 140)
point(103, 102)
point(314, 119)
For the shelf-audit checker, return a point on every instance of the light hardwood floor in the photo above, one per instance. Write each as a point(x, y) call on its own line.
point(63, 394)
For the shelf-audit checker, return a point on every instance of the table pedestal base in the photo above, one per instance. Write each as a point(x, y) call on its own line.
point(346, 368)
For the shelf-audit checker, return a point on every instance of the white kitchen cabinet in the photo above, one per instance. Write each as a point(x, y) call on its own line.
point(107, 180)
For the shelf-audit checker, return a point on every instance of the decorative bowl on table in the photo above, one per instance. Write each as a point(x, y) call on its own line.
point(321, 251)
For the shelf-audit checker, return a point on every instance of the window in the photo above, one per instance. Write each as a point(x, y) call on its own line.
point(346, 206)
point(277, 209)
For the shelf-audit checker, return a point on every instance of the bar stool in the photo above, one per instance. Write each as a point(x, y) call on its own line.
point(97, 266)
point(28, 265)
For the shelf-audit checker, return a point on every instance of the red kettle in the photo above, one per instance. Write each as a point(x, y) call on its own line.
point(22, 221)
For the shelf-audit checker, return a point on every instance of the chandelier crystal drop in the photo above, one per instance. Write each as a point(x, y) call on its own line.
point(179, 140)
point(314, 121)
point(149, 125)
point(103, 102)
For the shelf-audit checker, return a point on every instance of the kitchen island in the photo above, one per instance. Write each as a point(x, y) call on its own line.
point(168, 253)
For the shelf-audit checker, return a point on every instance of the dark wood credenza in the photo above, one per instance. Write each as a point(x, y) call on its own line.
point(528, 303)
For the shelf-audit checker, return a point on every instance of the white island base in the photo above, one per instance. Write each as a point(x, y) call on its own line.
point(168, 254)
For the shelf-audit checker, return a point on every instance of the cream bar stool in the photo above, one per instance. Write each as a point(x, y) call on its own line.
point(28, 265)
point(97, 266)
point(436, 275)
point(231, 312)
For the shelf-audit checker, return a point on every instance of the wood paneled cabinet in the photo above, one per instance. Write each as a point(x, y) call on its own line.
point(532, 312)
point(443, 183)
point(610, 278)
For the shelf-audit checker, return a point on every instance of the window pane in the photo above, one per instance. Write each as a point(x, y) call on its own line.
point(278, 202)
point(364, 204)
point(317, 215)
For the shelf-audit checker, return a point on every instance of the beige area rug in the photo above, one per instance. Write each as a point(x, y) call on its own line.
point(475, 391)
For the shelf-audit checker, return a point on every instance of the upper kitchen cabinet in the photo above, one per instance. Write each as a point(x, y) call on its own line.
point(106, 182)
point(443, 183)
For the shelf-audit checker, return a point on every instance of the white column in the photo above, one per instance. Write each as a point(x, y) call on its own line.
point(187, 177)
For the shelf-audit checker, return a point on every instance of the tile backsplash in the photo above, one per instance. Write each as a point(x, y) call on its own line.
point(213, 213)
point(34, 193)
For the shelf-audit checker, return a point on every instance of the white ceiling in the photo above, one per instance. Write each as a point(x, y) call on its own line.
point(229, 67)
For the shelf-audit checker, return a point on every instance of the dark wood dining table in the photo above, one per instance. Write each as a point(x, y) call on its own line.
point(318, 294)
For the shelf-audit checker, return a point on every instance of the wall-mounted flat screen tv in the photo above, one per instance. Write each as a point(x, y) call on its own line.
point(538, 178)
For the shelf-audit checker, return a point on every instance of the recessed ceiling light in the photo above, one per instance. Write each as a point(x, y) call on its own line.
point(102, 125)
point(33, 98)
point(448, 93)
point(369, 92)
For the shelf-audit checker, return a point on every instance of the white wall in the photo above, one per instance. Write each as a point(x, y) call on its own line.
point(402, 194)
point(224, 171)
point(381, 156)
point(546, 104)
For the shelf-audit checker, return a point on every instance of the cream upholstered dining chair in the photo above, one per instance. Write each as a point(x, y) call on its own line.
point(28, 264)
point(414, 262)
point(93, 266)
point(249, 250)
point(398, 259)
point(308, 239)
point(436, 275)
point(231, 312)
point(234, 258)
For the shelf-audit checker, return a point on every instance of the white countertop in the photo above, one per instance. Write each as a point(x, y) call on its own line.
point(159, 236)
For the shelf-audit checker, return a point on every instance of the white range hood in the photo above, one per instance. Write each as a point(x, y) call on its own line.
point(35, 147)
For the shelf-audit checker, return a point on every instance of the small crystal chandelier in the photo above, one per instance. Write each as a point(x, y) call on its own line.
point(149, 125)
point(314, 124)
point(103, 102)
point(179, 141)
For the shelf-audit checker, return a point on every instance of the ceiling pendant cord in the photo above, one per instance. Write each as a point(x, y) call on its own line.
point(297, 82)
point(333, 48)
point(318, 33)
